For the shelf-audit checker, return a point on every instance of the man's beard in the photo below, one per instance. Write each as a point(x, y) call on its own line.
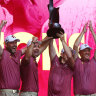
point(10, 50)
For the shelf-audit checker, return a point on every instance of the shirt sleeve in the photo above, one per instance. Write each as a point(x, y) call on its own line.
point(24, 62)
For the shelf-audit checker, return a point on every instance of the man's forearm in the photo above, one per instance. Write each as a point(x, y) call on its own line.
point(46, 39)
point(52, 52)
point(78, 40)
point(28, 53)
point(66, 48)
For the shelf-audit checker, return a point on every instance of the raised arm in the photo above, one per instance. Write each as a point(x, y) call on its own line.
point(44, 44)
point(23, 50)
point(67, 50)
point(78, 40)
point(3, 22)
point(94, 36)
point(52, 52)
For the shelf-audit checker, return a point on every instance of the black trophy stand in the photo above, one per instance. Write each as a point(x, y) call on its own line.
point(54, 26)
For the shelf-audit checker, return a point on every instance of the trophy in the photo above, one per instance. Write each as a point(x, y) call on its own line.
point(54, 26)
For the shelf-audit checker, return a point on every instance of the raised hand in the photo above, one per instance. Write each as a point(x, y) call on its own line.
point(60, 35)
point(85, 27)
point(34, 39)
point(3, 23)
point(90, 26)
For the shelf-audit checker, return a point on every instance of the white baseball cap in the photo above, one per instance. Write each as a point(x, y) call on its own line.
point(84, 46)
point(29, 42)
point(11, 38)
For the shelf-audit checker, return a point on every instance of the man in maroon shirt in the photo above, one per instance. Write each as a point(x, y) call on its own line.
point(84, 69)
point(10, 66)
point(29, 66)
point(61, 70)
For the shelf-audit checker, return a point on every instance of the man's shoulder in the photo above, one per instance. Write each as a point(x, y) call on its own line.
point(18, 53)
point(93, 60)
point(55, 61)
point(56, 58)
point(6, 52)
point(78, 59)
point(27, 62)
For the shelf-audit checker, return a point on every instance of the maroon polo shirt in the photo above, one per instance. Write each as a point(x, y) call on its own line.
point(60, 76)
point(29, 75)
point(85, 77)
point(10, 70)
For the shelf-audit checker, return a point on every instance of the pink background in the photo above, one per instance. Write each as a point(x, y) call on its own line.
point(32, 16)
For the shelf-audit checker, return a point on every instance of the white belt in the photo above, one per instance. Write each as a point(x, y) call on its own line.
point(9, 90)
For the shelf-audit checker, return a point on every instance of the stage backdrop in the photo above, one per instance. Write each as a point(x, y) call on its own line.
point(27, 18)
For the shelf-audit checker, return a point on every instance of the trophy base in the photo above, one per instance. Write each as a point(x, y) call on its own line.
point(51, 32)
